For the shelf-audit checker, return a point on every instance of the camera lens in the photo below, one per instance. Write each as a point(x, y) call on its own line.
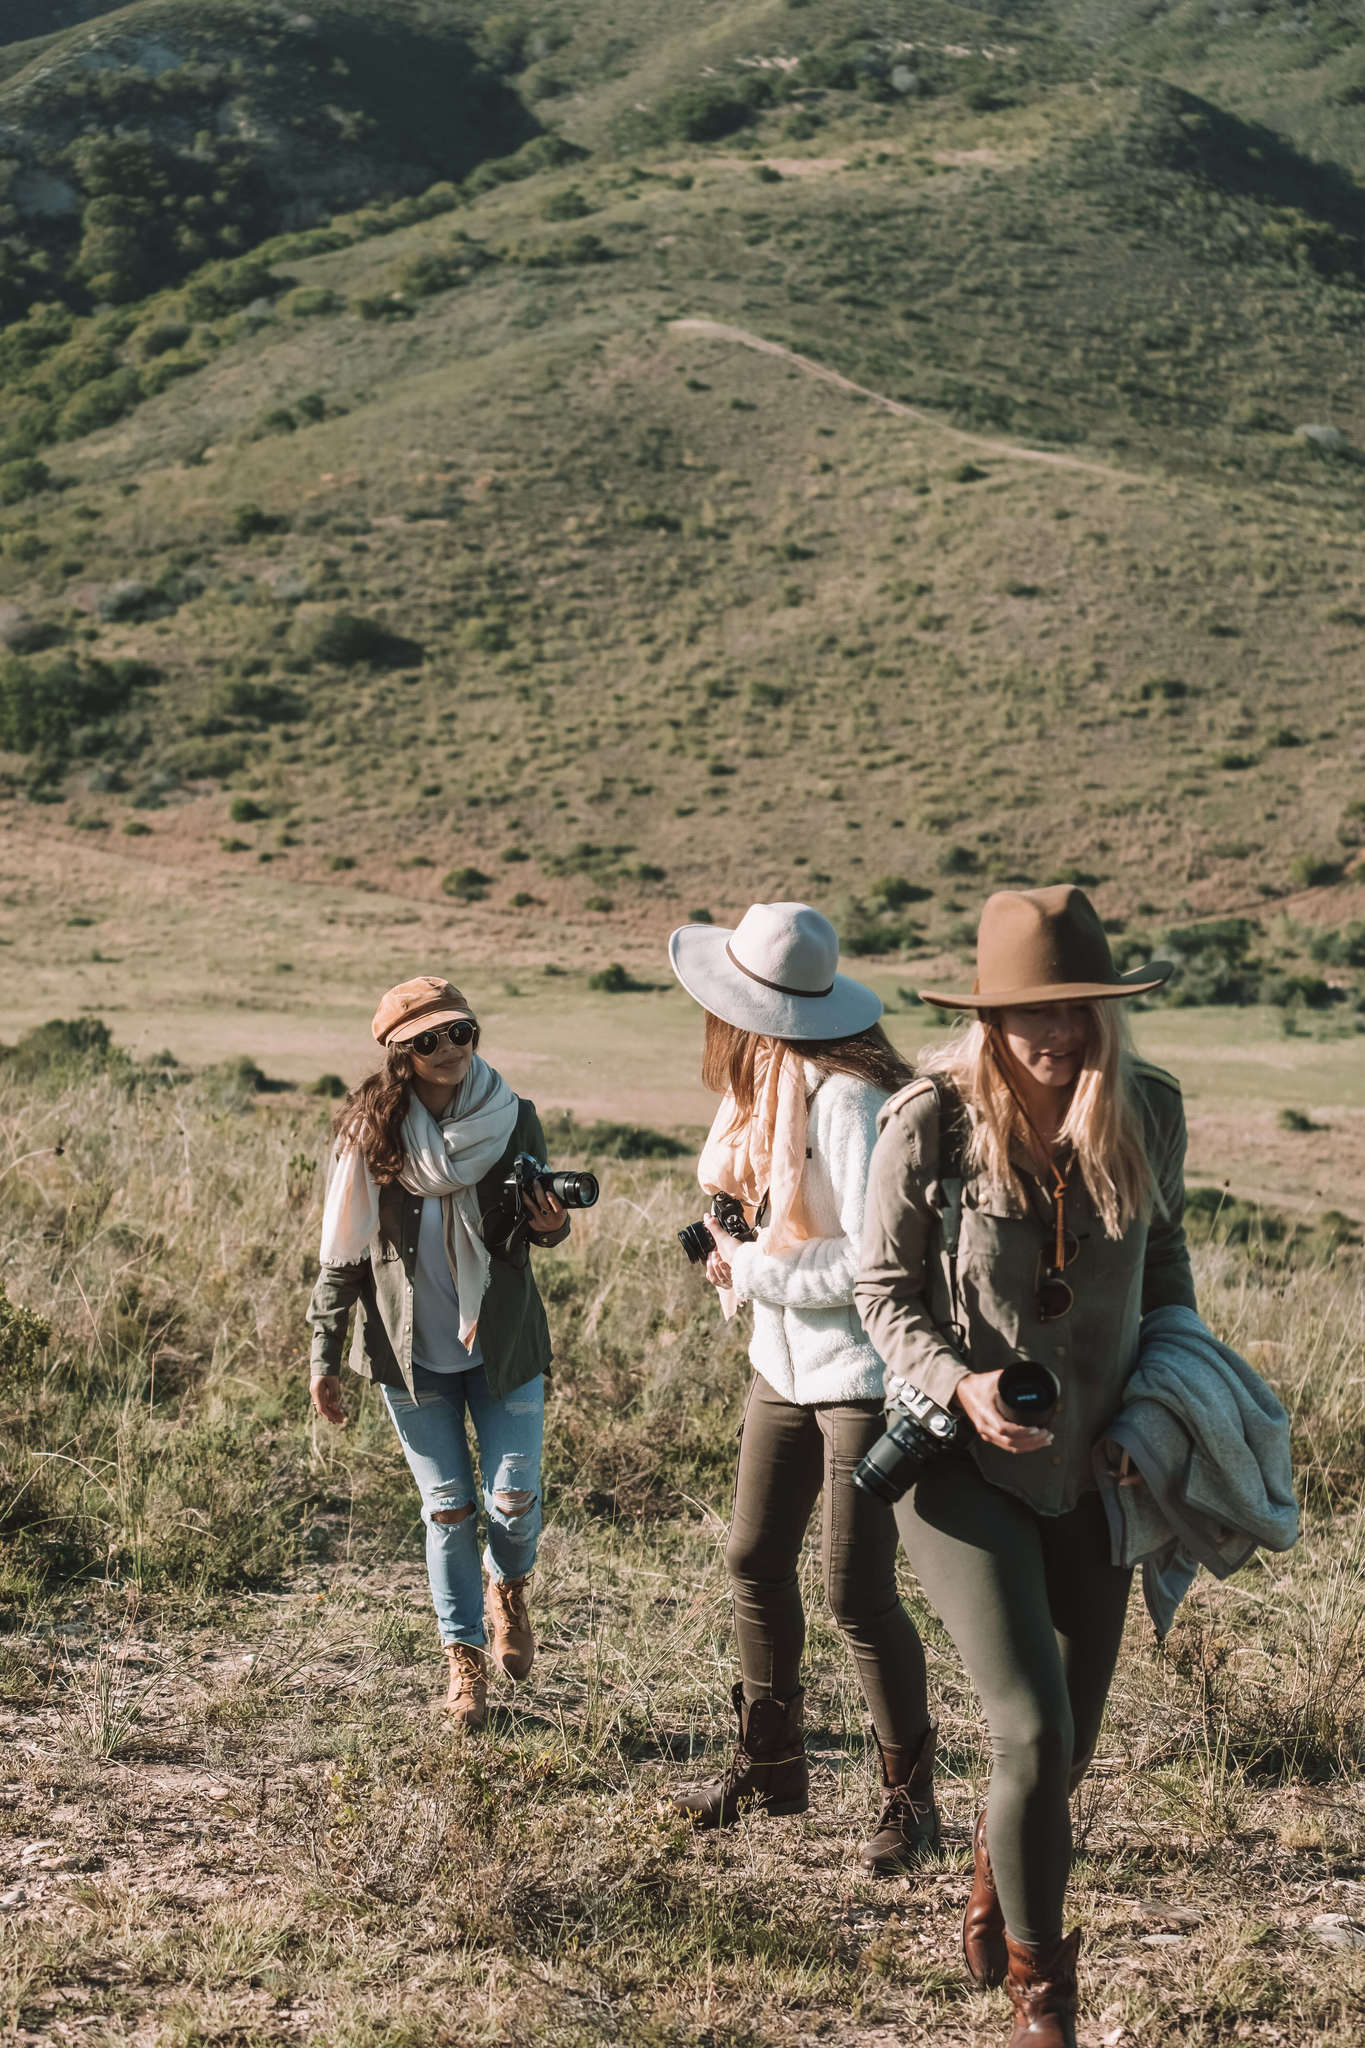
point(1027, 1393)
point(697, 1241)
point(574, 1190)
point(883, 1471)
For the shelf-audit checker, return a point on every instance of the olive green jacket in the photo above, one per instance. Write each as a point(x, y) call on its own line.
point(514, 1337)
point(903, 1293)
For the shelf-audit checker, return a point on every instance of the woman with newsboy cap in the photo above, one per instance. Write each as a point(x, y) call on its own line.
point(1025, 1203)
point(420, 1234)
point(795, 1050)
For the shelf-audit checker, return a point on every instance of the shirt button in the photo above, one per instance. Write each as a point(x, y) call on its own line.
point(1054, 1459)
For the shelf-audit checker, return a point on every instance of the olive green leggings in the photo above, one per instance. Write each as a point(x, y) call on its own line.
point(1036, 1611)
point(788, 1457)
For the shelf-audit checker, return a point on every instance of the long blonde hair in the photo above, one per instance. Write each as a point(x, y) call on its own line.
point(1103, 1125)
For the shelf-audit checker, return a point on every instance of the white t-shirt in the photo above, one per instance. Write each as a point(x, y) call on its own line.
point(435, 1304)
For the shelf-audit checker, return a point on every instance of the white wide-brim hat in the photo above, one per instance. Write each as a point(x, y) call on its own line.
point(775, 974)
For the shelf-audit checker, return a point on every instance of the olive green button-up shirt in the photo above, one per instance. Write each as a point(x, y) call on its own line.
point(903, 1293)
point(514, 1338)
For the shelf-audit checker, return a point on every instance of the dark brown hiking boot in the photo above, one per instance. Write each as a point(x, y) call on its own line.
point(1042, 1987)
point(511, 1644)
point(983, 1924)
point(466, 1699)
point(767, 1774)
point(907, 1830)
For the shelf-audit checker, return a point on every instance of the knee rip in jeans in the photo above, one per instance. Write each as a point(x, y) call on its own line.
point(512, 1505)
point(453, 1514)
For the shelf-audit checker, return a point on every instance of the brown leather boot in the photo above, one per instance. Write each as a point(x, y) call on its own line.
point(510, 1641)
point(908, 1829)
point(1042, 1988)
point(983, 1924)
point(466, 1699)
point(768, 1772)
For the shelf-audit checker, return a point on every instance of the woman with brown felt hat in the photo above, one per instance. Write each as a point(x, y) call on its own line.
point(1025, 1202)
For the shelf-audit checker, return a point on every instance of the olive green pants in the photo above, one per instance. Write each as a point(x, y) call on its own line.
point(789, 1456)
point(1036, 1611)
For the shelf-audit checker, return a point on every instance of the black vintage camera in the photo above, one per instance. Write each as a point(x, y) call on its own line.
point(697, 1241)
point(921, 1431)
point(573, 1190)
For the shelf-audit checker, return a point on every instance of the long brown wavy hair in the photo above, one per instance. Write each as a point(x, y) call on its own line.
point(371, 1117)
point(729, 1056)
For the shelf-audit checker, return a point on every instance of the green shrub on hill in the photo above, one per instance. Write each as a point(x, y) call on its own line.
point(350, 640)
point(21, 479)
point(466, 884)
point(47, 707)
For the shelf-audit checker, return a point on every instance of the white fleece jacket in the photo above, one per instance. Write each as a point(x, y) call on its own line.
point(808, 1342)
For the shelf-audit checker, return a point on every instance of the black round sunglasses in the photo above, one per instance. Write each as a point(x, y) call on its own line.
point(461, 1033)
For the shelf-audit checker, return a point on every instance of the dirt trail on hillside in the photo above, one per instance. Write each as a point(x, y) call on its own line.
point(719, 330)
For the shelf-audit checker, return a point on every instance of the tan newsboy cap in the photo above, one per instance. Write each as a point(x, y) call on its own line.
point(415, 1006)
point(1045, 946)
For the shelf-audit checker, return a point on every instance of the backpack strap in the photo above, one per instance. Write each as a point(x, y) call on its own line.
point(949, 1172)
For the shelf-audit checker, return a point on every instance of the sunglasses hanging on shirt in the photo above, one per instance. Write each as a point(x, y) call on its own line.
point(1055, 1297)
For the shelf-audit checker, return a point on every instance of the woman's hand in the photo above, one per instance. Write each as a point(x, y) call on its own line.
point(1120, 1464)
point(324, 1391)
point(976, 1398)
point(543, 1212)
point(718, 1264)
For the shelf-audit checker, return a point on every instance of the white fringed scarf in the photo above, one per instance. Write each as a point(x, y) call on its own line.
point(445, 1159)
point(766, 1154)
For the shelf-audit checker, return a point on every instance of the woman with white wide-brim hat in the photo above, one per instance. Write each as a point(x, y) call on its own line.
point(803, 1066)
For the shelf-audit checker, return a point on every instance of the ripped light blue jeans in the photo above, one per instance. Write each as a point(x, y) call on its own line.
point(432, 1430)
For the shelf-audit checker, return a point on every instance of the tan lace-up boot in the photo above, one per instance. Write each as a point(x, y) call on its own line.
point(511, 1643)
point(466, 1699)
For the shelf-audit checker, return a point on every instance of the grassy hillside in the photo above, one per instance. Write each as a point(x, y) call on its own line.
point(437, 548)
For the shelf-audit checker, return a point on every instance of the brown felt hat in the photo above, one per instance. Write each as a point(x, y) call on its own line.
point(1045, 946)
point(415, 1006)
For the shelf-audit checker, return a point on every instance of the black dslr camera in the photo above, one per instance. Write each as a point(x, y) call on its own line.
point(697, 1241)
point(572, 1190)
point(921, 1431)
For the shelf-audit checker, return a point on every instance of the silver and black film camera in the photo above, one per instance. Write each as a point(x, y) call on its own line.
point(697, 1241)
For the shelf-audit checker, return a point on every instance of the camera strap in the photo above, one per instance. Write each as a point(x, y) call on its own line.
point(952, 1118)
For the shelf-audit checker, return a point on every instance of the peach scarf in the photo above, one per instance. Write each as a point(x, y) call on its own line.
point(763, 1154)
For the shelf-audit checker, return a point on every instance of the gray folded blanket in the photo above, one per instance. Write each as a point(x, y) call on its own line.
point(1212, 1445)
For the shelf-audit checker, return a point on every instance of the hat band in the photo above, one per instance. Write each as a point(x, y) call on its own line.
point(781, 987)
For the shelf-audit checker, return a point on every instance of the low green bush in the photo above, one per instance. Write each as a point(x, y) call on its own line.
point(23, 479)
point(351, 640)
point(614, 981)
point(466, 884)
point(1314, 871)
point(313, 302)
point(247, 521)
